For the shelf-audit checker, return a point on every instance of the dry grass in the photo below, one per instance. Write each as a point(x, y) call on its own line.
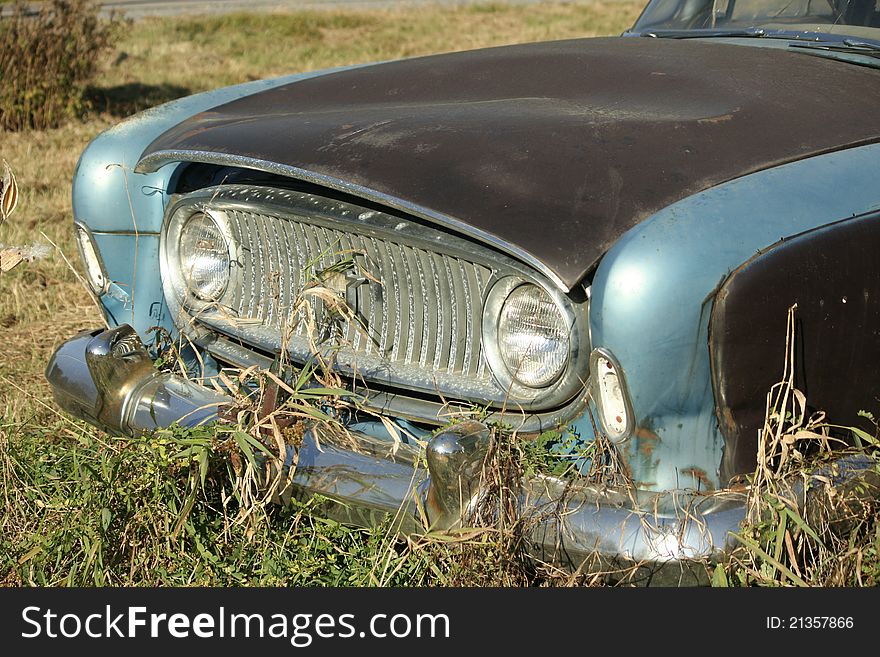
point(231, 48)
point(41, 302)
point(813, 502)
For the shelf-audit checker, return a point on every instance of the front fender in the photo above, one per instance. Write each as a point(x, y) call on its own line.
point(653, 294)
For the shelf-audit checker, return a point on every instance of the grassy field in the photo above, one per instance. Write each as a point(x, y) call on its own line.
point(81, 508)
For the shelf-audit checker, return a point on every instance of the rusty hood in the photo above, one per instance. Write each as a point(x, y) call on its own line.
point(550, 151)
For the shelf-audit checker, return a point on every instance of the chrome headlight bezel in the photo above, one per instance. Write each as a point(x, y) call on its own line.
point(170, 256)
point(573, 376)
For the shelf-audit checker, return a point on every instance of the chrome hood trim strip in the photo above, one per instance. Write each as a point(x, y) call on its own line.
point(156, 160)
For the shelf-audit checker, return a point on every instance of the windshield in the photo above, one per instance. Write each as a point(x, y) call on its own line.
point(847, 18)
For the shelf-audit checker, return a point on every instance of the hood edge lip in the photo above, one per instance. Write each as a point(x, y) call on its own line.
point(157, 159)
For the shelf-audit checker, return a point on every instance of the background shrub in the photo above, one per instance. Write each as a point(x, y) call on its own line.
point(46, 60)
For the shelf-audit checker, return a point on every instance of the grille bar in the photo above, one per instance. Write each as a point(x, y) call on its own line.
point(424, 311)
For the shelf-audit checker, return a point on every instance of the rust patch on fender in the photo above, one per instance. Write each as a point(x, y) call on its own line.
point(699, 475)
point(637, 455)
point(646, 441)
point(730, 426)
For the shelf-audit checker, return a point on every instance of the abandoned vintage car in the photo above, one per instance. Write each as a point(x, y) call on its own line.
point(596, 236)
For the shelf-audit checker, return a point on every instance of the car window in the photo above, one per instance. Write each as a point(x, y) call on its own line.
point(855, 18)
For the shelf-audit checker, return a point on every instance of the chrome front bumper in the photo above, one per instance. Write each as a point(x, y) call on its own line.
point(108, 379)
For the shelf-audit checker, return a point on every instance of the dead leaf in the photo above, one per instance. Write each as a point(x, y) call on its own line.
point(8, 193)
point(9, 259)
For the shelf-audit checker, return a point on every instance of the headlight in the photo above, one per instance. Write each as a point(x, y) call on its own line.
point(536, 341)
point(532, 337)
point(203, 253)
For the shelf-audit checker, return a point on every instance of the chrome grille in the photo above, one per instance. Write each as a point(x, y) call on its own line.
point(419, 304)
point(282, 255)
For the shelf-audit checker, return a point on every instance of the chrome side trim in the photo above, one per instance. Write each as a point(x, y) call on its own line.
point(155, 161)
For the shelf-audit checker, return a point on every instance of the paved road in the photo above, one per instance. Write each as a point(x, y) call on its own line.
point(139, 8)
point(136, 8)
